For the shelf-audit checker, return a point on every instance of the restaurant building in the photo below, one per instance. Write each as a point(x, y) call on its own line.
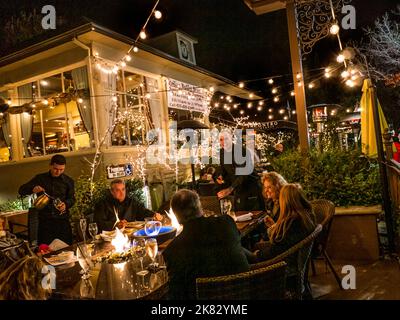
point(66, 93)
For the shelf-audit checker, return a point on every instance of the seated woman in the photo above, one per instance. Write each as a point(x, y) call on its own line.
point(295, 222)
point(23, 280)
point(272, 184)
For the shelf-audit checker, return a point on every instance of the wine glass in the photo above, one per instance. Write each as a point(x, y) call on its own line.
point(139, 246)
point(84, 258)
point(83, 225)
point(57, 203)
point(152, 228)
point(93, 230)
point(152, 250)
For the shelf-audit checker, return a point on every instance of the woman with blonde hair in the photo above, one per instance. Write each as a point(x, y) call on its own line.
point(23, 280)
point(295, 222)
point(272, 183)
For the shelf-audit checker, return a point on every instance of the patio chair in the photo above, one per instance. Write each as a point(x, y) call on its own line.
point(324, 211)
point(297, 258)
point(267, 283)
point(206, 189)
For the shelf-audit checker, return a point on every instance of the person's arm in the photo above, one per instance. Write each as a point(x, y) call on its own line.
point(141, 211)
point(27, 188)
point(70, 199)
point(104, 222)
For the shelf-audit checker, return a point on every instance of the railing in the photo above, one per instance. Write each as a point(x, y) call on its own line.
point(393, 172)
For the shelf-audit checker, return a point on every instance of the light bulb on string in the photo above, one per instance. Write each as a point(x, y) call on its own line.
point(299, 84)
point(292, 93)
point(251, 95)
point(241, 85)
point(340, 58)
point(327, 75)
point(241, 112)
point(270, 110)
point(128, 58)
point(298, 76)
point(261, 103)
point(276, 99)
point(334, 29)
point(285, 117)
point(270, 117)
point(350, 83)
point(274, 91)
point(345, 74)
point(294, 112)
point(311, 85)
point(80, 100)
point(282, 111)
point(211, 89)
point(249, 105)
point(157, 14)
point(142, 35)
point(259, 108)
point(135, 49)
point(271, 81)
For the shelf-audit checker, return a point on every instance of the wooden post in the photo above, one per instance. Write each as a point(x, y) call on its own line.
point(297, 69)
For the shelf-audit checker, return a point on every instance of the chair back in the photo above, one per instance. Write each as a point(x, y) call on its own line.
point(206, 189)
point(267, 283)
point(298, 271)
point(324, 211)
point(211, 204)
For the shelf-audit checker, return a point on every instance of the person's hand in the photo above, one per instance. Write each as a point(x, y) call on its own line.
point(268, 221)
point(122, 224)
point(157, 216)
point(37, 189)
point(224, 193)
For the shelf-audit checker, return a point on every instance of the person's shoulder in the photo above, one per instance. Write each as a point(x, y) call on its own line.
point(68, 178)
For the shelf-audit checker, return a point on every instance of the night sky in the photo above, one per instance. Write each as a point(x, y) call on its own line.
point(233, 41)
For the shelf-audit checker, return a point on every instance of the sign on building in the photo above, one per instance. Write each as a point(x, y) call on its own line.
point(184, 96)
point(119, 171)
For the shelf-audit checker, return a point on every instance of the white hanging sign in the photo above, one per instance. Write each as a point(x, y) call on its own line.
point(184, 96)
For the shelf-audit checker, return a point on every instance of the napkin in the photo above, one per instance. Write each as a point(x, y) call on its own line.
point(244, 217)
point(57, 244)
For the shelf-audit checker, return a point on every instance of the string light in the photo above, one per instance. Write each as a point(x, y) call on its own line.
point(340, 58)
point(270, 110)
point(80, 100)
point(142, 35)
point(292, 93)
point(211, 89)
point(249, 105)
point(271, 81)
point(274, 91)
point(259, 108)
point(135, 49)
point(261, 103)
point(350, 83)
point(298, 76)
point(276, 99)
point(128, 58)
point(282, 111)
point(270, 117)
point(157, 14)
point(241, 111)
point(251, 95)
point(241, 85)
point(294, 112)
point(311, 85)
point(345, 74)
point(334, 29)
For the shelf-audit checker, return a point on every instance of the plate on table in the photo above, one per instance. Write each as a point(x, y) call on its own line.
point(61, 258)
point(135, 225)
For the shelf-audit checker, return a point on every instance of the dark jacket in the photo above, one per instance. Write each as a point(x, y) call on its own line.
point(52, 225)
point(206, 247)
point(273, 209)
point(129, 210)
point(61, 187)
point(247, 188)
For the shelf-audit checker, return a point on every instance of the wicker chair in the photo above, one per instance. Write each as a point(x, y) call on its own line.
point(301, 253)
point(267, 283)
point(324, 211)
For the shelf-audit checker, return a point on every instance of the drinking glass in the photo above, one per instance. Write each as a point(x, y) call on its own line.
point(152, 228)
point(152, 250)
point(93, 230)
point(83, 225)
point(139, 246)
point(84, 258)
point(57, 202)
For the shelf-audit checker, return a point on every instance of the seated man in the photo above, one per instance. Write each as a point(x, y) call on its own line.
point(117, 203)
point(206, 247)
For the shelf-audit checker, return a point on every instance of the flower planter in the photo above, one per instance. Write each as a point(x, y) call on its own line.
point(354, 234)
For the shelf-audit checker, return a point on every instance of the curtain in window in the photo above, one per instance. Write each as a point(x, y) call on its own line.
point(25, 96)
point(81, 82)
point(5, 126)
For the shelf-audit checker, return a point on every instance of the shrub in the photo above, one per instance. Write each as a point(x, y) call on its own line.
point(344, 177)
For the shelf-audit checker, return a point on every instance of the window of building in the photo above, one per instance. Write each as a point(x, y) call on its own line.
point(134, 107)
point(59, 114)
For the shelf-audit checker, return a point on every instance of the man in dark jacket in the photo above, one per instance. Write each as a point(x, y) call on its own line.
point(54, 217)
point(206, 247)
point(245, 188)
point(117, 203)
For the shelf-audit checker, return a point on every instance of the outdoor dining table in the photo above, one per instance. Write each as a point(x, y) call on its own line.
point(110, 281)
point(120, 281)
